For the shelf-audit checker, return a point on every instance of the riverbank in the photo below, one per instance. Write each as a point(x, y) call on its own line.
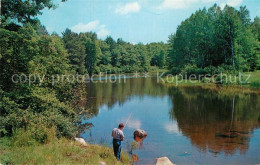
point(62, 151)
point(252, 85)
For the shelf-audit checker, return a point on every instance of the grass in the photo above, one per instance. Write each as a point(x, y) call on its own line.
point(253, 85)
point(254, 80)
point(61, 151)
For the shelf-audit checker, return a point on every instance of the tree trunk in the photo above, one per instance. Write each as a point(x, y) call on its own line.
point(232, 53)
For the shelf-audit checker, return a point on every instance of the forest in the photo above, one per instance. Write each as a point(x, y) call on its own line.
point(214, 40)
point(88, 54)
point(209, 41)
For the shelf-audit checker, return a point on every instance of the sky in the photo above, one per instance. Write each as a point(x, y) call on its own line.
point(134, 21)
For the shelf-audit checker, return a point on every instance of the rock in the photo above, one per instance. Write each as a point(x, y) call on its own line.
point(102, 163)
point(81, 141)
point(139, 135)
point(164, 161)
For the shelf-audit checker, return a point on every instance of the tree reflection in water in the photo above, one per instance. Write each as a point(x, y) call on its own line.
point(215, 122)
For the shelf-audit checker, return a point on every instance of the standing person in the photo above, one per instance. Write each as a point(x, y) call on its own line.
point(118, 136)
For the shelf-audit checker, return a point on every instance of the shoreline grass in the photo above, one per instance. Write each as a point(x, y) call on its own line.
point(62, 151)
point(252, 87)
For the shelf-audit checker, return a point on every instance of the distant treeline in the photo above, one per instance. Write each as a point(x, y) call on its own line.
point(88, 54)
point(215, 40)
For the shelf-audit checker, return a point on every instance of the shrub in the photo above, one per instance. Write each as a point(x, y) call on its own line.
point(211, 70)
point(175, 71)
point(22, 137)
point(255, 84)
point(33, 135)
point(44, 109)
point(189, 70)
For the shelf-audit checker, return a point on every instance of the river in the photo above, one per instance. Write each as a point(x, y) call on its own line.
point(188, 125)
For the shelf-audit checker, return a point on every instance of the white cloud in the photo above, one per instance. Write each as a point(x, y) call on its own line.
point(210, 1)
point(133, 7)
point(222, 5)
point(94, 26)
point(103, 32)
point(176, 4)
point(172, 128)
point(135, 124)
point(234, 3)
point(85, 27)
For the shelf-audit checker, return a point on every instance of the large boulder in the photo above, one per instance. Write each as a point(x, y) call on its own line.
point(164, 161)
point(139, 135)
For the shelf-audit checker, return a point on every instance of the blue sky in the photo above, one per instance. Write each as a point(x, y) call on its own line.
point(133, 20)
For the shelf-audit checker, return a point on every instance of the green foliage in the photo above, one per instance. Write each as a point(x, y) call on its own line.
point(25, 11)
point(76, 50)
point(255, 26)
point(215, 37)
point(175, 70)
point(190, 70)
point(29, 111)
point(111, 56)
point(157, 54)
point(255, 84)
point(93, 52)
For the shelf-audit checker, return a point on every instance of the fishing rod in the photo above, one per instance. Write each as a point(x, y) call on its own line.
point(128, 118)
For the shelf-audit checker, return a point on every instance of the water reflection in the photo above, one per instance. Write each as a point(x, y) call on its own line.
point(172, 127)
point(213, 121)
point(178, 120)
point(110, 94)
point(134, 124)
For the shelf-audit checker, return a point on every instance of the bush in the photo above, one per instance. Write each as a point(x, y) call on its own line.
point(227, 79)
point(36, 108)
point(33, 135)
point(22, 137)
point(211, 70)
point(219, 70)
point(255, 84)
point(193, 70)
point(189, 70)
point(175, 71)
point(44, 109)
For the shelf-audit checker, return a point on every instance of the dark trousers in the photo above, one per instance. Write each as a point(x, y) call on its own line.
point(117, 148)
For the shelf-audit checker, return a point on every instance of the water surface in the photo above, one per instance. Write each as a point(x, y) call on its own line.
point(188, 125)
